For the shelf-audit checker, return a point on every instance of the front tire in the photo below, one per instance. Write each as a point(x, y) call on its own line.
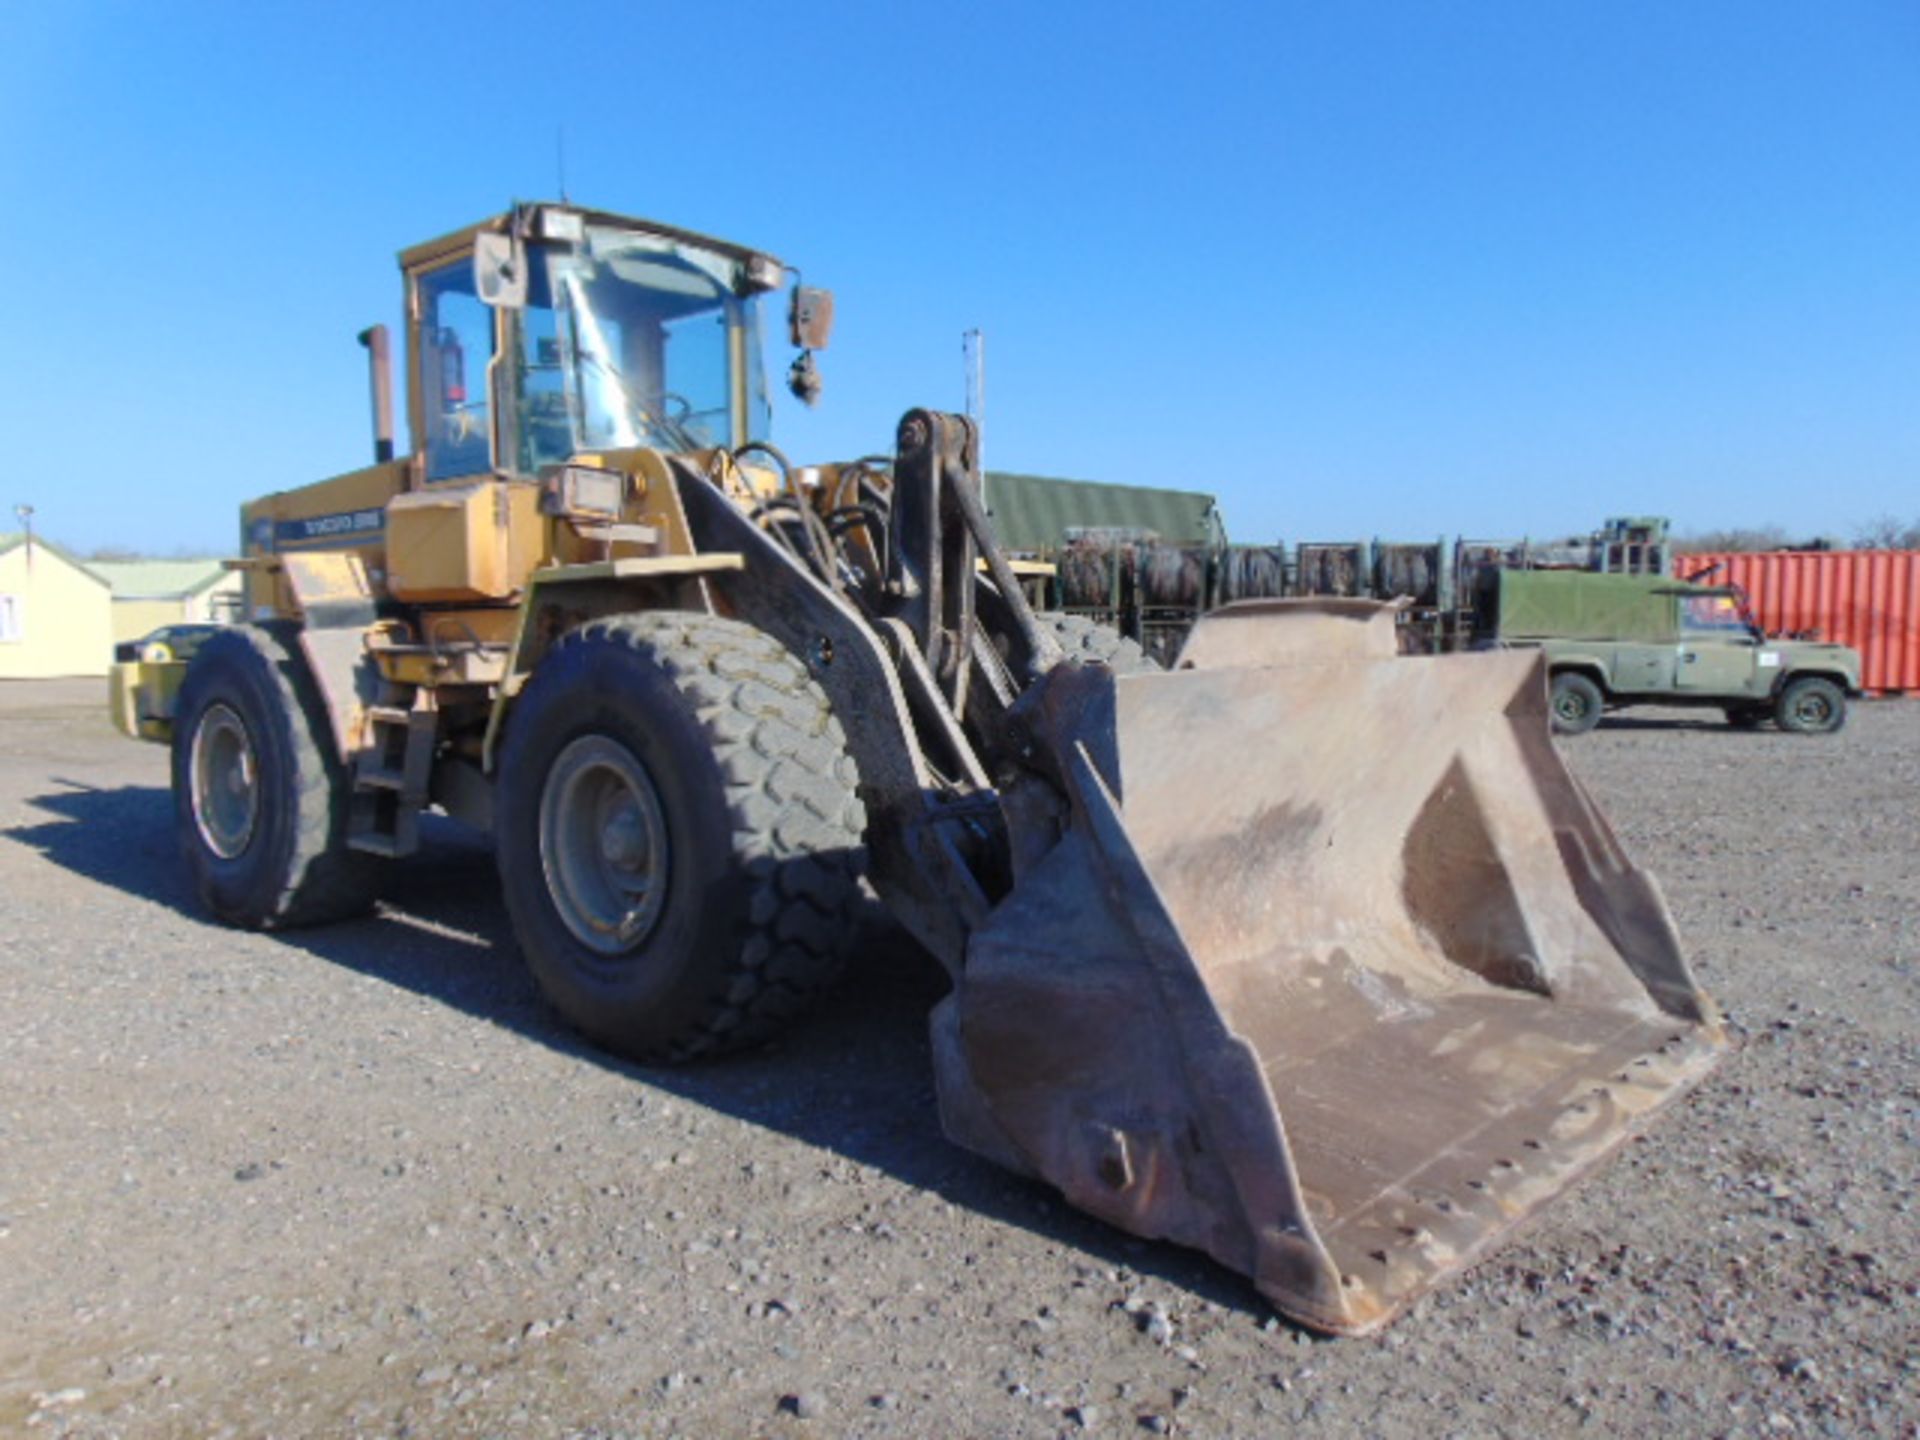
point(1576, 703)
point(679, 834)
point(260, 794)
point(1811, 705)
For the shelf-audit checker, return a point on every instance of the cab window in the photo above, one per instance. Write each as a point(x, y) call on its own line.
point(456, 344)
point(1712, 615)
point(625, 341)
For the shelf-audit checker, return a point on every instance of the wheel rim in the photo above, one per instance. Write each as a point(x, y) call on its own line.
point(1812, 709)
point(603, 845)
point(225, 782)
point(1570, 706)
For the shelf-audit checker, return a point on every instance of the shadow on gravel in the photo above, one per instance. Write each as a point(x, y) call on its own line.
point(1669, 723)
point(854, 1076)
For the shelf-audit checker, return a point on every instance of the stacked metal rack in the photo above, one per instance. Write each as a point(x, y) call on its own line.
point(1153, 592)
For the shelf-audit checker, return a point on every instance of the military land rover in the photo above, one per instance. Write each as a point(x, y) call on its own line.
point(1618, 640)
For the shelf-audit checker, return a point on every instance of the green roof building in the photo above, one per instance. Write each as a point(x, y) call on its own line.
point(150, 593)
point(1034, 512)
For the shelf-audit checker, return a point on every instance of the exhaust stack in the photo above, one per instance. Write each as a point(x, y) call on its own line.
point(380, 377)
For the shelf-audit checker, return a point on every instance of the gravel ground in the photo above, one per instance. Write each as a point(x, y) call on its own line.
point(357, 1180)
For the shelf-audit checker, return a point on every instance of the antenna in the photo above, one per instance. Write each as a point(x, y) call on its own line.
point(25, 512)
point(560, 158)
point(973, 354)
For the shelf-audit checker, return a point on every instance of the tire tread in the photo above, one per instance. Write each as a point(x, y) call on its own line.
point(798, 830)
point(324, 880)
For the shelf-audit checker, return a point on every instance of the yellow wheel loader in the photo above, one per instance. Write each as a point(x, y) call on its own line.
point(1307, 954)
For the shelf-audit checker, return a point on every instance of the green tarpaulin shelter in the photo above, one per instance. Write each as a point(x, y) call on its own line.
point(1032, 512)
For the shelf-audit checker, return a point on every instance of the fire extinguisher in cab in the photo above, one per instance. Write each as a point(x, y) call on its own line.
point(453, 372)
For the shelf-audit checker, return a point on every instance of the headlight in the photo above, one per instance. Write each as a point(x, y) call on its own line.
point(583, 490)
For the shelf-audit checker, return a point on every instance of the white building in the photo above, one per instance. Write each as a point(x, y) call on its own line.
point(55, 613)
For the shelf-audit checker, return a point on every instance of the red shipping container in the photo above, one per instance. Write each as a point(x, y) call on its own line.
point(1869, 599)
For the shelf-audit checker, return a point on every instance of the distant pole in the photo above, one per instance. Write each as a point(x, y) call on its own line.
point(25, 512)
point(973, 354)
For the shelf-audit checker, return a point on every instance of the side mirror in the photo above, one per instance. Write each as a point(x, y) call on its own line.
point(500, 270)
point(810, 317)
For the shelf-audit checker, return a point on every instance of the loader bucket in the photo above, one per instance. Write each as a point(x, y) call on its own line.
point(1334, 972)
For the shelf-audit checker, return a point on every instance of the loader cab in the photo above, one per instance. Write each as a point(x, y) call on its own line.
point(552, 331)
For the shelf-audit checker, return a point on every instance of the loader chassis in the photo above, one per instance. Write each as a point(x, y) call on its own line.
point(698, 694)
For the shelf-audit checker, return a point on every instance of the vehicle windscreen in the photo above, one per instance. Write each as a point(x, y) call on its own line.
point(625, 341)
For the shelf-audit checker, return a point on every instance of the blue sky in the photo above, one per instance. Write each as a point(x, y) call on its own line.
point(1358, 269)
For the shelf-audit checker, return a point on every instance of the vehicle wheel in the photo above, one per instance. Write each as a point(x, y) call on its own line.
point(260, 794)
point(1576, 703)
point(1747, 717)
point(679, 833)
point(1811, 706)
point(1085, 639)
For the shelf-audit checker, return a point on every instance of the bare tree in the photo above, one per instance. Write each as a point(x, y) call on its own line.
point(1715, 542)
point(1886, 532)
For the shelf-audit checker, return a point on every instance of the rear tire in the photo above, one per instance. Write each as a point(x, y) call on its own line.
point(1576, 703)
point(260, 794)
point(679, 834)
point(1085, 640)
point(1811, 705)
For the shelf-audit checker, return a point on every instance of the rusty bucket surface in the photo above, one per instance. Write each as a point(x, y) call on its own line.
point(1335, 973)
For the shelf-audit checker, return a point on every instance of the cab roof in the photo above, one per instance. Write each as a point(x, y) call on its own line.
point(453, 242)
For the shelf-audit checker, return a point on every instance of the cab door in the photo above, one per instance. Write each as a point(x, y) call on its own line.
point(1719, 667)
point(454, 338)
point(1717, 652)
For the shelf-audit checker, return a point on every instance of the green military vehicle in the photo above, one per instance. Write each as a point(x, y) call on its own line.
point(1618, 640)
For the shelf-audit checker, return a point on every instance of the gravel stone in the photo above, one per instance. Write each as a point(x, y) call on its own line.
point(805, 1405)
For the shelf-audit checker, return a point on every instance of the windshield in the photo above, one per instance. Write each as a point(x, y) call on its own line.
point(625, 340)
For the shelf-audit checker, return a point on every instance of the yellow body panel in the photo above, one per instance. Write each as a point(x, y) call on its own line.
point(141, 695)
point(345, 512)
point(463, 543)
point(651, 500)
point(644, 569)
point(491, 625)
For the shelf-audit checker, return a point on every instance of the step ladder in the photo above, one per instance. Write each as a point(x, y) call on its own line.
point(390, 775)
